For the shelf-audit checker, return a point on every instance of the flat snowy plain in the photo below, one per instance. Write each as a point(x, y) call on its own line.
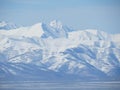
point(37, 85)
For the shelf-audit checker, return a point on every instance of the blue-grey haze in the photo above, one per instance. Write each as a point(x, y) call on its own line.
point(79, 14)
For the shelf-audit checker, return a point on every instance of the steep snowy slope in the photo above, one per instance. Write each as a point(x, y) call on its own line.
point(55, 48)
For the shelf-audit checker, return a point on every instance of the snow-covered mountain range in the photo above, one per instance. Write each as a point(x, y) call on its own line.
point(56, 52)
point(7, 26)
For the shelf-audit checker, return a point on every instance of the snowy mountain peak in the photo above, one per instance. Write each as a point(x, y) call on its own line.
point(3, 23)
point(56, 24)
point(37, 25)
point(100, 34)
point(35, 30)
point(93, 31)
point(7, 26)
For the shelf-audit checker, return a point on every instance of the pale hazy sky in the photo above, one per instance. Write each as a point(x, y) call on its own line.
point(79, 14)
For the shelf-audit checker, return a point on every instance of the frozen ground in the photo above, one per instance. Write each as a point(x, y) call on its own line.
point(37, 85)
